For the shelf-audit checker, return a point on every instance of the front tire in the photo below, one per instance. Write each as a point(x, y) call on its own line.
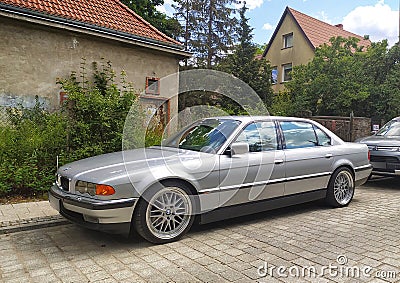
point(341, 188)
point(164, 215)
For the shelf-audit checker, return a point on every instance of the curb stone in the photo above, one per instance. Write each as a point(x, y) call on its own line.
point(31, 224)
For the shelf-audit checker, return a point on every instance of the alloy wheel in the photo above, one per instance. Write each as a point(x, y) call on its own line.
point(169, 212)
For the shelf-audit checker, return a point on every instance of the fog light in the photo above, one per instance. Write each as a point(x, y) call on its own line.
point(90, 219)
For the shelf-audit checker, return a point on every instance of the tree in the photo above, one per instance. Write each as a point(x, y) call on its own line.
point(344, 78)
point(242, 63)
point(184, 14)
point(383, 65)
point(332, 83)
point(261, 48)
point(209, 29)
point(147, 10)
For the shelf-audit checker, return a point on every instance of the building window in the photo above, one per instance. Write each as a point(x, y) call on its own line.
point(287, 72)
point(152, 85)
point(288, 40)
point(63, 97)
point(274, 75)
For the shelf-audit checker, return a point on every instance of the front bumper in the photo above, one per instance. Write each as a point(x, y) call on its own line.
point(112, 216)
point(385, 163)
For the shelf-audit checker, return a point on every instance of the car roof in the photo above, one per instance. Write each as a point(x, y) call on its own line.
point(256, 118)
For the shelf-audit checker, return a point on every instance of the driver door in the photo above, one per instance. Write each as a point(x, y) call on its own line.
point(256, 175)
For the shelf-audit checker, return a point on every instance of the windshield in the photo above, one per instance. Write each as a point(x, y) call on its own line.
point(207, 135)
point(390, 129)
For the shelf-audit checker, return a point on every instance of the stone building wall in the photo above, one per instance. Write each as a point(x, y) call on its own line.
point(33, 56)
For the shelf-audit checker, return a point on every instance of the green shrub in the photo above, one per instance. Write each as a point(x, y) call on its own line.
point(91, 122)
point(96, 111)
point(29, 146)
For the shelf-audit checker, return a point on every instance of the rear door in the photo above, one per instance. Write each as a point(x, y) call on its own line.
point(308, 157)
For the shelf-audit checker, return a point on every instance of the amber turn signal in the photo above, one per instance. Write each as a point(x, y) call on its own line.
point(104, 190)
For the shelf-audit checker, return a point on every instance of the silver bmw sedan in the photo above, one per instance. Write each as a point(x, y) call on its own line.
point(214, 169)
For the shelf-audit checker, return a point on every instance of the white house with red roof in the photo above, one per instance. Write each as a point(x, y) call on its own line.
point(294, 41)
point(42, 40)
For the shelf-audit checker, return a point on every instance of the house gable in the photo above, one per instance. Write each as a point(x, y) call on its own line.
point(281, 57)
point(316, 32)
point(294, 42)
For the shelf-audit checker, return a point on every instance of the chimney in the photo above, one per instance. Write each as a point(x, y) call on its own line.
point(339, 26)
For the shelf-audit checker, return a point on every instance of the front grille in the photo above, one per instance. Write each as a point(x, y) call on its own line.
point(387, 148)
point(64, 183)
point(386, 159)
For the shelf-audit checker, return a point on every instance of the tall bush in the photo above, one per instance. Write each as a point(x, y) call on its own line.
point(96, 110)
point(29, 146)
point(91, 122)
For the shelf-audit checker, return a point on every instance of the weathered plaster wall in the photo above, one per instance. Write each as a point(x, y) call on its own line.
point(32, 57)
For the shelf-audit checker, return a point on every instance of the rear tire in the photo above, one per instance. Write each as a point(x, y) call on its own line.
point(341, 188)
point(164, 214)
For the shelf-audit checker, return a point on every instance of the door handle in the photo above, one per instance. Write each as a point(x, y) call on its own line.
point(278, 161)
point(329, 155)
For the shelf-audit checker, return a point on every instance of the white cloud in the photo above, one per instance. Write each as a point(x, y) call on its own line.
point(166, 8)
point(267, 26)
point(379, 22)
point(161, 9)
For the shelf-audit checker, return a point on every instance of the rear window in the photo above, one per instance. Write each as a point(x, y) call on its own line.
point(304, 134)
point(299, 134)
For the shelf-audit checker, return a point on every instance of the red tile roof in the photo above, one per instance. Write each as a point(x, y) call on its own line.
point(111, 14)
point(319, 32)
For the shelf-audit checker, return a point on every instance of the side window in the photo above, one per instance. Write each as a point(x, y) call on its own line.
point(299, 134)
point(261, 136)
point(323, 138)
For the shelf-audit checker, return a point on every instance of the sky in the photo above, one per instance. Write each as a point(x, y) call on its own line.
point(377, 18)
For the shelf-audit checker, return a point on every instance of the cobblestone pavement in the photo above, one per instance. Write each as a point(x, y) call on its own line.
point(28, 216)
point(365, 234)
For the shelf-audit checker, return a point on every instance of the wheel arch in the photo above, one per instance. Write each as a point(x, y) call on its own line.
point(344, 164)
point(330, 195)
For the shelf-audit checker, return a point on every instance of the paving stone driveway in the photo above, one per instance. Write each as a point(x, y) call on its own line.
point(289, 244)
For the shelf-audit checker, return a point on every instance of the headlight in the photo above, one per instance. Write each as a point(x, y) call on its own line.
point(94, 189)
point(85, 187)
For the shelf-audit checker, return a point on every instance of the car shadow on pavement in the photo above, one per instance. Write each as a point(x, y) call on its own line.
point(386, 183)
point(136, 240)
point(262, 216)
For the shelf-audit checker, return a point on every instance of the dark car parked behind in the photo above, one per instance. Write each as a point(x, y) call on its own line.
point(384, 147)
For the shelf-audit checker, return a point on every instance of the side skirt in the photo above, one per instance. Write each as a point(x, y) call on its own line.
point(260, 206)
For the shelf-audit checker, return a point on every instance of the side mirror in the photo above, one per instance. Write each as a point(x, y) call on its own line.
point(239, 148)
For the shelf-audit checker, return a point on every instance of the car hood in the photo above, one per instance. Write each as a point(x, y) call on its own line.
point(380, 140)
point(114, 166)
